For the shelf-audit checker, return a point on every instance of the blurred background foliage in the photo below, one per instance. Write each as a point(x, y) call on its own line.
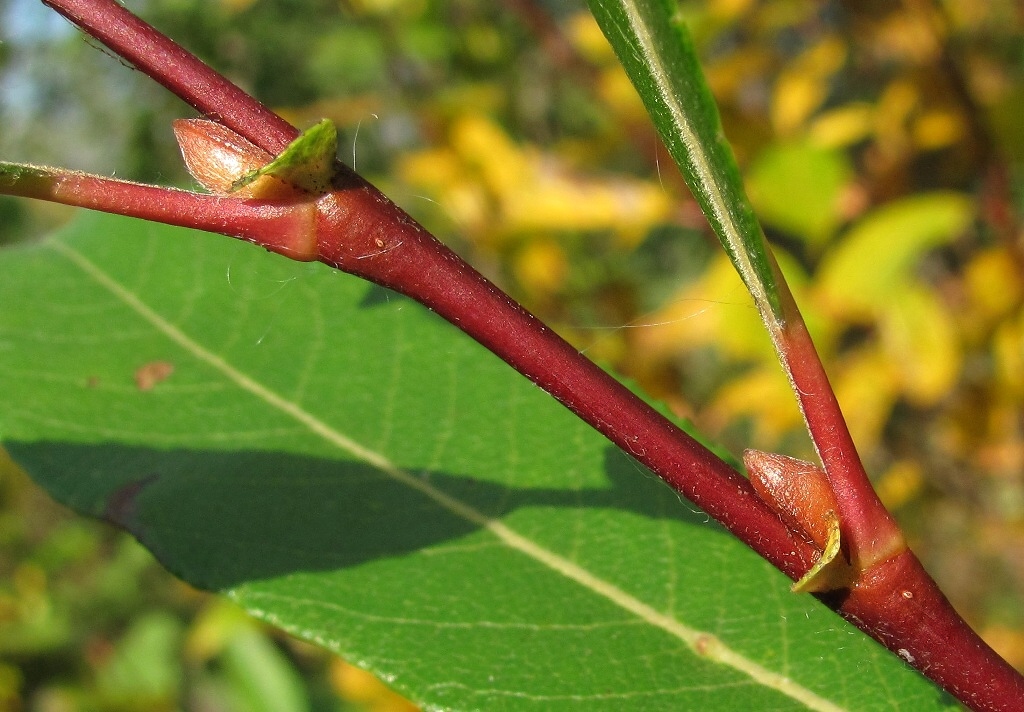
point(884, 151)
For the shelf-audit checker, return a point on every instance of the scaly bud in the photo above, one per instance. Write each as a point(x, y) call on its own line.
point(801, 495)
point(219, 159)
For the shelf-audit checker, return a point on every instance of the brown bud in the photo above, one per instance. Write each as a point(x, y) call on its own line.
point(215, 155)
point(797, 490)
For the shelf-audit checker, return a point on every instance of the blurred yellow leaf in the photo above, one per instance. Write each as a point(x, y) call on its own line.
point(716, 309)
point(235, 6)
point(727, 10)
point(615, 90)
point(907, 36)
point(892, 115)
point(1008, 349)
point(404, 8)
point(937, 129)
point(213, 628)
point(843, 126)
point(541, 266)
point(730, 74)
point(867, 388)
point(993, 284)
point(495, 185)
point(859, 277)
point(899, 484)
point(803, 86)
point(920, 343)
point(444, 176)
point(585, 35)
point(355, 685)
point(483, 145)
point(764, 395)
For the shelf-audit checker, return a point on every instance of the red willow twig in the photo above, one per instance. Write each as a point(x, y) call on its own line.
point(360, 231)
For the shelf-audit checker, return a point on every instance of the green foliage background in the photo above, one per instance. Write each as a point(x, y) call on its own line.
point(882, 147)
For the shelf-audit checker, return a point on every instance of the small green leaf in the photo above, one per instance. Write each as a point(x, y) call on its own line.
point(307, 163)
point(817, 577)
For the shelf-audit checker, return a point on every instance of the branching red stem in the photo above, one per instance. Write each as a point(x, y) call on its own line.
point(286, 227)
point(368, 235)
point(870, 534)
point(362, 232)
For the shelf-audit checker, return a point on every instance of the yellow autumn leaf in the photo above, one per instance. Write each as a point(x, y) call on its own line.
point(1008, 350)
point(993, 285)
point(541, 266)
point(716, 309)
point(798, 187)
point(763, 395)
point(483, 145)
point(867, 388)
point(728, 10)
point(937, 129)
point(899, 484)
point(892, 114)
point(498, 187)
point(920, 342)
point(617, 91)
point(444, 176)
point(803, 86)
point(555, 199)
point(585, 35)
point(842, 126)
point(879, 253)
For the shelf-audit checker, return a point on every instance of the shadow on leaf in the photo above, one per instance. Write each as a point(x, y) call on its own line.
point(221, 519)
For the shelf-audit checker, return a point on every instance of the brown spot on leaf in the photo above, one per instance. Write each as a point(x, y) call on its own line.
point(150, 374)
point(120, 507)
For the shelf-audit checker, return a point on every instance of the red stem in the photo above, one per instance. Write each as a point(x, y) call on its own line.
point(286, 227)
point(429, 272)
point(903, 609)
point(362, 232)
point(869, 532)
point(180, 71)
point(365, 234)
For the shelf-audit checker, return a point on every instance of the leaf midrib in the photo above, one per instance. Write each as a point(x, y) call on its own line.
point(699, 642)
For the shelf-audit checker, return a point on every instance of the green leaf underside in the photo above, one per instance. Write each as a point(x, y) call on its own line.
point(657, 53)
point(307, 163)
point(342, 463)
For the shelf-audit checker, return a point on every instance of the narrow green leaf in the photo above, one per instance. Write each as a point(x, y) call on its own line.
point(342, 463)
point(656, 50)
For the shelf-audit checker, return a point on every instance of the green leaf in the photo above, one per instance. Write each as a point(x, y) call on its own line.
point(797, 187)
point(261, 676)
point(657, 52)
point(144, 670)
point(341, 463)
